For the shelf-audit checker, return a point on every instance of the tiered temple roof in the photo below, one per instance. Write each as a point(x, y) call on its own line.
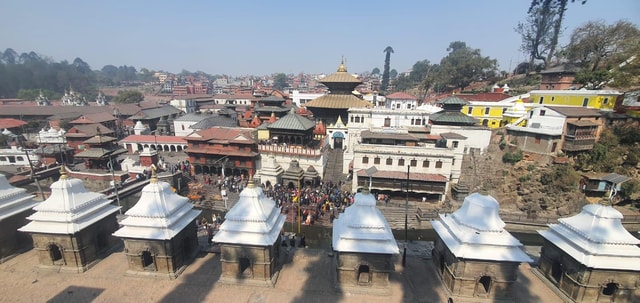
point(254, 220)
point(596, 238)
point(475, 231)
point(160, 214)
point(13, 200)
point(341, 85)
point(363, 229)
point(69, 209)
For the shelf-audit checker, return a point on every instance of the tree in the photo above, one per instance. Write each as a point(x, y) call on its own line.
point(280, 81)
point(595, 44)
point(375, 71)
point(128, 96)
point(542, 29)
point(464, 65)
point(605, 52)
point(385, 74)
point(393, 74)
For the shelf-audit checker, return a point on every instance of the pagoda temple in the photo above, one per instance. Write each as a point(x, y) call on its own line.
point(591, 257)
point(473, 253)
point(451, 113)
point(328, 108)
point(364, 246)
point(15, 206)
point(159, 232)
point(250, 239)
point(73, 227)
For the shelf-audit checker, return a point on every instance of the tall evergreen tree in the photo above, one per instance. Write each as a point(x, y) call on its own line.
point(385, 74)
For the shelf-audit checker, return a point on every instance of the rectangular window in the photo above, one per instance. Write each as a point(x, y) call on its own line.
point(538, 139)
point(414, 162)
point(585, 102)
point(606, 101)
point(376, 160)
point(438, 164)
point(486, 111)
point(541, 100)
point(400, 162)
point(469, 110)
point(389, 161)
point(542, 112)
point(365, 160)
point(425, 163)
point(387, 122)
point(398, 105)
point(455, 144)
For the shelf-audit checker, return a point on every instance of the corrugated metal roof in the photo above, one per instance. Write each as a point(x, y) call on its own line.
point(292, 121)
point(213, 121)
point(615, 178)
point(575, 111)
point(453, 100)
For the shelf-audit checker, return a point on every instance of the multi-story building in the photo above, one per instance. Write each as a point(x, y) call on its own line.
point(401, 100)
point(604, 100)
point(222, 150)
point(300, 98)
point(550, 129)
point(559, 77)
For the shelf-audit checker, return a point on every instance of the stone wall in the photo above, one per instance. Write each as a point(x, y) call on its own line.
point(11, 240)
point(474, 278)
point(350, 272)
point(587, 284)
point(169, 256)
point(263, 262)
point(79, 250)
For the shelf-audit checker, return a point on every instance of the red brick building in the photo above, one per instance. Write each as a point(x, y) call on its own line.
point(223, 151)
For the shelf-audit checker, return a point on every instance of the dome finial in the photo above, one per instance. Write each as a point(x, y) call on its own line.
point(342, 68)
point(63, 172)
point(251, 183)
point(154, 174)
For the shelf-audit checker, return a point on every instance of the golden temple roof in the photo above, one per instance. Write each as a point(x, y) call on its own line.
point(337, 101)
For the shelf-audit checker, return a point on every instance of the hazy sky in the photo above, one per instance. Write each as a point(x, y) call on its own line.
point(262, 37)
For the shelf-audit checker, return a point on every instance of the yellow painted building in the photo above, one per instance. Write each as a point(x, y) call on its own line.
point(487, 113)
point(492, 114)
point(597, 99)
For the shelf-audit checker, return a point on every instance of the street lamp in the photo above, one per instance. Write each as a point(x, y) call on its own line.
point(406, 222)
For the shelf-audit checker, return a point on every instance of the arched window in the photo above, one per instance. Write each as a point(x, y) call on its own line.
point(610, 289)
point(244, 266)
point(387, 122)
point(389, 161)
point(400, 162)
point(54, 253)
point(485, 281)
point(364, 274)
point(376, 160)
point(147, 260)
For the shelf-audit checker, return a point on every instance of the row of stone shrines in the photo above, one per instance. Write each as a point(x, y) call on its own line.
point(590, 257)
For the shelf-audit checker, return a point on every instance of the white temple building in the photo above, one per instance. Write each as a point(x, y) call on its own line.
point(72, 228)
point(249, 239)
point(159, 231)
point(15, 206)
point(364, 245)
point(591, 257)
point(473, 253)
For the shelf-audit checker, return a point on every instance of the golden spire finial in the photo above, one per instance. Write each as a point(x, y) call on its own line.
point(154, 174)
point(63, 172)
point(250, 183)
point(342, 68)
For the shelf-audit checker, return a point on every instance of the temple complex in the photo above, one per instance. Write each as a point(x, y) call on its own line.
point(473, 253)
point(364, 246)
point(73, 227)
point(15, 206)
point(591, 257)
point(250, 239)
point(159, 232)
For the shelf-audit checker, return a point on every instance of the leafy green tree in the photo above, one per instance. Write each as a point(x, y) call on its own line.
point(375, 71)
point(393, 74)
point(387, 64)
point(128, 96)
point(464, 65)
point(561, 177)
point(512, 157)
point(280, 81)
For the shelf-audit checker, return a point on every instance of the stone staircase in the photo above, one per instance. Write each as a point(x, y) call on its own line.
point(333, 170)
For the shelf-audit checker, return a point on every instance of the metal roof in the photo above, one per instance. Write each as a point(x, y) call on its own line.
point(337, 101)
point(292, 121)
